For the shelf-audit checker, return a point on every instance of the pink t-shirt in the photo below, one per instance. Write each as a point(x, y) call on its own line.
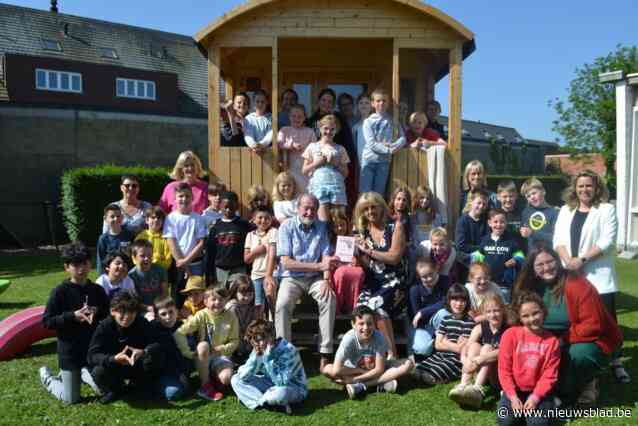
point(302, 136)
point(200, 196)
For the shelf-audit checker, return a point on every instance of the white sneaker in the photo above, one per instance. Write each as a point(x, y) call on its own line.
point(388, 387)
point(45, 375)
point(456, 392)
point(88, 379)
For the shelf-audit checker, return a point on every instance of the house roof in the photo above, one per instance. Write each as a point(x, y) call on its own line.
point(25, 31)
point(476, 131)
point(203, 35)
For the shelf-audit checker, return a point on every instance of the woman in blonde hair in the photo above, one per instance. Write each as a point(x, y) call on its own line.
point(475, 178)
point(382, 247)
point(188, 168)
point(585, 239)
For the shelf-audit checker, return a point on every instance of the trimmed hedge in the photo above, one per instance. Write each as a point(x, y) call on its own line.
point(87, 190)
point(554, 185)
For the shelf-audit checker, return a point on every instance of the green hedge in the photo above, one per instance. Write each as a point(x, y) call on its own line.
point(554, 185)
point(87, 190)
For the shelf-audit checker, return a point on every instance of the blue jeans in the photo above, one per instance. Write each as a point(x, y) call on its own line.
point(374, 177)
point(256, 391)
point(170, 387)
point(420, 341)
point(506, 293)
point(258, 285)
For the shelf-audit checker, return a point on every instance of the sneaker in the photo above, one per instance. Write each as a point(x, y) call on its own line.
point(288, 410)
point(206, 391)
point(620, 373)
point(87, 378)
point(473, 396)
point(589, 395)
point(388, 387)
point(108, 398)
point(45, 375)
point(355, 389)
point(456, 393)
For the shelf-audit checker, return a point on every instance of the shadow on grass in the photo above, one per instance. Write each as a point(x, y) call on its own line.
point(16, 305)
point(14, 267)
point(318, 399)
point(626, 303)
point(47, 347)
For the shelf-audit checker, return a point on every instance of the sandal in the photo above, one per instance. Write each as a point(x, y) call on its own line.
point(621, 374)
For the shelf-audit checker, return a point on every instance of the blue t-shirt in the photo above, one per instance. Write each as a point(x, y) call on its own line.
point(303, 244)
point(148, 285)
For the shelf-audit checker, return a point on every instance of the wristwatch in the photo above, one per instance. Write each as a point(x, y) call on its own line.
point(583, 260)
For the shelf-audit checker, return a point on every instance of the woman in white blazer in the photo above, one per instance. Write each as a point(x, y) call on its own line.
point(585, 238)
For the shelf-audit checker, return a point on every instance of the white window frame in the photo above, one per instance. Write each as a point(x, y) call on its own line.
point(58, 77)
point(135, 95)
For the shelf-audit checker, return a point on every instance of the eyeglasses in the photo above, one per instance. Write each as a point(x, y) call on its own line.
point(543, 265)
point(130, 185)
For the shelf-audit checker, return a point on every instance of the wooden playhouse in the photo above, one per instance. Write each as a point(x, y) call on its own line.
point(403, 46)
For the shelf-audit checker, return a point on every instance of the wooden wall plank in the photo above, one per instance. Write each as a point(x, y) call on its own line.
point(214, 133)
point(246, 166)
point(235, 170)
point(454, 134)
point(274, 103)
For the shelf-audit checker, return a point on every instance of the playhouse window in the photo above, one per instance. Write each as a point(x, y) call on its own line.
point(136, 89)
point(58, 81)
point(53, 45)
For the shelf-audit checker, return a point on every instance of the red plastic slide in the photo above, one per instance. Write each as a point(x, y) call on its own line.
point(21, 330)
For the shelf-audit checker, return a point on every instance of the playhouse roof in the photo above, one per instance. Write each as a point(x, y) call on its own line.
point(204, 35)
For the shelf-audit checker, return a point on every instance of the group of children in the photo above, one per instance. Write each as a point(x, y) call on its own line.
point(213, 316)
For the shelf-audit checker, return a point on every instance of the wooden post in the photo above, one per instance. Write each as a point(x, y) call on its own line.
point(275, 104)
point(454, 135)
point(396, 88)
point(214, 131)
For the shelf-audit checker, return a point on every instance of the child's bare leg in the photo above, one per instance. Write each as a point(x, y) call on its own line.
point(224, 375)
point(385, 327)
point(331, 372)
point(392, 373)
point(201, 362)
point(483, 373)
point(469, 368)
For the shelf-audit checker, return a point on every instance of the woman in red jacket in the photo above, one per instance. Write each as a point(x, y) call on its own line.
point(589, 334)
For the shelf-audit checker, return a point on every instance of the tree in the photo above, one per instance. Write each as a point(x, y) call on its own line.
point(587, 121)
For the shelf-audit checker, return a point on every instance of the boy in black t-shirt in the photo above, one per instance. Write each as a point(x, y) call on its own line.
point(225, 244)
point(73, 310)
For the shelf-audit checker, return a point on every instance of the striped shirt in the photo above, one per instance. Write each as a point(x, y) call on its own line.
point(446, 365)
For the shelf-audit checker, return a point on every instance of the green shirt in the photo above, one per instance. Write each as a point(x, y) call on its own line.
point(557, 318)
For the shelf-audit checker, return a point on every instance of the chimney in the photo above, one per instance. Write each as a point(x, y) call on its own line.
point(54, 6)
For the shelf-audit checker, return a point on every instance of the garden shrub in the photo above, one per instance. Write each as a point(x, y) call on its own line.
point(87, 190)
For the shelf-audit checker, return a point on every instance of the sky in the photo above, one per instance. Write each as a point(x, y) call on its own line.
point(526, 52)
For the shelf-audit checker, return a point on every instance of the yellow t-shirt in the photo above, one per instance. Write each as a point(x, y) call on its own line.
point(161, 251)
point(221, 329)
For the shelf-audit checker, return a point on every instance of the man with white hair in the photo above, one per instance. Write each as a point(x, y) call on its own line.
point(304, 250)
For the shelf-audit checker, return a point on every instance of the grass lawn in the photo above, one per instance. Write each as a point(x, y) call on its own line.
point(24, 401)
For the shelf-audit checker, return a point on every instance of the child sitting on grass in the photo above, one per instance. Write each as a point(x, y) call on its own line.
point(155, 217)
point(242, 304)
point(150, 280)
point(426, 298)
point(174, 379)
point(479, 360)
point(452, 335)
point(73, 310)
point(116, 278)
point(528, 362)
point(217, 331)
point(125, 347)
point(274, 375)
point(360, 362)
point(194, 293)
point(115, 238)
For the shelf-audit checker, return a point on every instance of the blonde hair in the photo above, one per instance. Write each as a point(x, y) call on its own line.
point(492, 297)
point(330, 119)
point(366, 199)
point(478, 267)
point(506, 186)
point(601, 193)
point(475, 194)
point(378, 92)
point(282, 178)
point(408, 195)
point(474, 164)
point(439, 231)
point(184, 157)
point(532, 183)
point(416, 115)
point(257, 192)
point(423, 191)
